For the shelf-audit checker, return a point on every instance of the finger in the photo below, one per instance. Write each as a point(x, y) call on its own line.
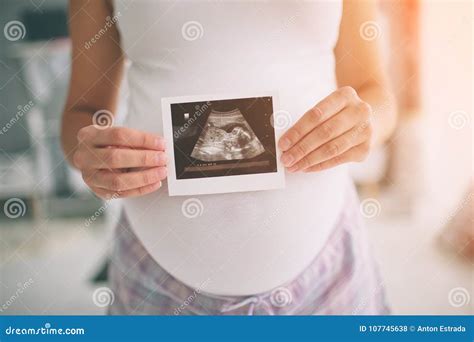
point(104, 193)
point(325, 109)
point(355, 154)
point(121, 136)
point(117, 158)
point(333, 148)
point(108, 194)
point(121, 181)
point(327, 131)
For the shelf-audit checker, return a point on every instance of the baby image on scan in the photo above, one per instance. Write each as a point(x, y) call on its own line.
point(227, 136)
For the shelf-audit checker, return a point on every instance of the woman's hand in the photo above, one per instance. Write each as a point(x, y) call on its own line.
point(120, 162)
point(337, 130)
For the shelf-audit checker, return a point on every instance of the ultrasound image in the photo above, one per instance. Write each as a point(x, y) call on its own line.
point(227, 136)
point(223, 137)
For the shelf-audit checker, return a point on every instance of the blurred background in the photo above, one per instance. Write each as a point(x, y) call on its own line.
point(416, 192)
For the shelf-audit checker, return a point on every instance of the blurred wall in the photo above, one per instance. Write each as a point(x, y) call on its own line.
point(12, 90)
point(447, 95)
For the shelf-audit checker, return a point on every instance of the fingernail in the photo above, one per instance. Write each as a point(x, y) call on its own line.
point(160, 158)
point(285, 143)
point(287, 159)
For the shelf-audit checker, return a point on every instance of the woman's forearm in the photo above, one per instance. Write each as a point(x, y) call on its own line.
point(384, 113)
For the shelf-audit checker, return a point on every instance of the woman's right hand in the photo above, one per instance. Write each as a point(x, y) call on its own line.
point(120, 162)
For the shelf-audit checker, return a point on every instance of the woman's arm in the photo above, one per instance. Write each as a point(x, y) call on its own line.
point(96, 72)
point(114, 161)
point(345, 125)
point(359, 64)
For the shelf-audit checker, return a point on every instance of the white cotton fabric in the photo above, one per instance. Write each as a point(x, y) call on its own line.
point(239, 243)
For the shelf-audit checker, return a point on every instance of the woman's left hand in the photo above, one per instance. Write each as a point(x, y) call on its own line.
point(335, 131)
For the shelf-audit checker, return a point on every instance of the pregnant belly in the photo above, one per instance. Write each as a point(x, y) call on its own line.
point(240, 243)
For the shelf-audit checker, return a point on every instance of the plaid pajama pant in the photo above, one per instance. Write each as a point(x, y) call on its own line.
point(343, 279)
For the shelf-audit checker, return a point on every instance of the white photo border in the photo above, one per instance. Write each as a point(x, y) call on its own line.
point(224, 184)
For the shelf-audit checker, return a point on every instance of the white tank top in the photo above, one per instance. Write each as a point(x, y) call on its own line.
point(241, 243)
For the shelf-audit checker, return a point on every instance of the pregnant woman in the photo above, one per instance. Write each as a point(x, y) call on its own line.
point(297, 250)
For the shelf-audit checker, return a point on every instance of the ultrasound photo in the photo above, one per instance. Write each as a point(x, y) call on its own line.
point(218, 137)
point(227, 136)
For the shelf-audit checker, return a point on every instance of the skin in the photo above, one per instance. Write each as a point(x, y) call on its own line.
point(121, 162)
